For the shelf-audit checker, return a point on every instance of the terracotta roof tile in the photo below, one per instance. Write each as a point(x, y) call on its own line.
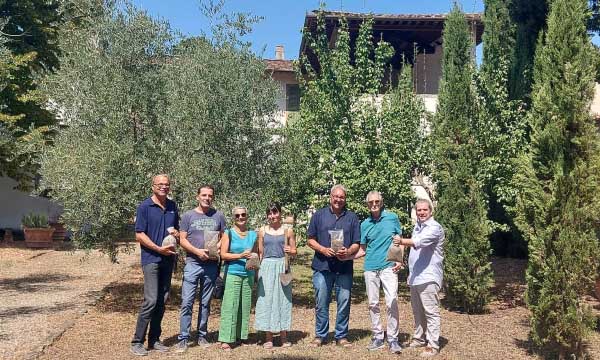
point(280, 65)
point(469, 16)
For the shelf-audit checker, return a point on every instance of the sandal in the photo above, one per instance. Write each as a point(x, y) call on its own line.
point(268, 345)
point(225, 347)
point(316, 342)
point(344, 343)
point(286, 344)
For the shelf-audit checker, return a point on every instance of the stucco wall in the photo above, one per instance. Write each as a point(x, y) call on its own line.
point(282, 78)
point(595, 109)
point(16, 203)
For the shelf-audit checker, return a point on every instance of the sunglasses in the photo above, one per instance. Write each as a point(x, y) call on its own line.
point(242, 215)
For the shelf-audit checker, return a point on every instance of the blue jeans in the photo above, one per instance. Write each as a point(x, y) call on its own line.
point(194, 274)
point(323, 282)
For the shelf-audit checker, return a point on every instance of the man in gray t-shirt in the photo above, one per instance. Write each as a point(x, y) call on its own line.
point(194, 223)
point(199, 269)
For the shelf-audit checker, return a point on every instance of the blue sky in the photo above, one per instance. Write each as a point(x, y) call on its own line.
point(283, 19)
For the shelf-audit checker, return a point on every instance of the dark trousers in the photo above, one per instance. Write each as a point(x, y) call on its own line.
point(157, 282)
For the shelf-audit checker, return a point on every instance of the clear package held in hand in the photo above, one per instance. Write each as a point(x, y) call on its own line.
point(253, 263)
point(169, 240)
point(395, 253)
point(211, 244)
point(337, 239)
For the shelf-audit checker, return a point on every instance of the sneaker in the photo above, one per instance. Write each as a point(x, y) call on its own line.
point(395, 347)
point(416, 344)
point(181, 346)
point(138, 349)
point(429, 352)
point(203, 342)
point(158, 346)
point(376, 344)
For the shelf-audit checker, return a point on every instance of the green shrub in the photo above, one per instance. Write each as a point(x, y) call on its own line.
point(35, 220)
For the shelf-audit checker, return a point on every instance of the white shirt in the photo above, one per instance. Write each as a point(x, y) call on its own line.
point(425, 261)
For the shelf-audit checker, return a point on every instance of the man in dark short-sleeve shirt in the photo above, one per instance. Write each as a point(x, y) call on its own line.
point(156, 217)
point(329, 269)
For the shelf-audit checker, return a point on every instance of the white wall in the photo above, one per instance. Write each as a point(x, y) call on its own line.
point(595, 109)
point(15, 204)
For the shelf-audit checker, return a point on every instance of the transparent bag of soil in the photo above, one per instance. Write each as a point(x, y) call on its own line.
point(395, 253)
point(211, 244)
point(253, 263)
point(337, 239)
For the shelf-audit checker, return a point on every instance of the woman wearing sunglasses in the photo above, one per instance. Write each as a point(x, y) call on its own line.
point(274, 303)
point(237, 245)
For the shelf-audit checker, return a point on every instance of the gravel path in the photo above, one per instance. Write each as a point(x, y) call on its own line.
point(44, 292)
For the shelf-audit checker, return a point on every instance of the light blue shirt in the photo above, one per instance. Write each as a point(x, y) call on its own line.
point(426, 258)
point(238, 245)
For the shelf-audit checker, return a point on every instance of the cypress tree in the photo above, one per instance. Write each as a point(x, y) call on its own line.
point(558, 207)
point(462, 209)
point(530, 18)
point(501, 127)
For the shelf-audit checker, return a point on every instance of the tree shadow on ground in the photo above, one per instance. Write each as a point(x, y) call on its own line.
point(443, 341)
point(294, 336)
point(531, 349)
point(36, 283)
point(119, 297)
point(288, 357)
point(23, 311)
point(509, 281)
point(355, 334)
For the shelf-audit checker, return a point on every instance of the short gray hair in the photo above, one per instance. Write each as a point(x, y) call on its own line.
point(338, 187)
point(161, 176)
point(424, 201)
point(376, 193)
point(238, 208)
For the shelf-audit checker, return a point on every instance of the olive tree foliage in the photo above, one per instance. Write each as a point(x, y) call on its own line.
point(350, 132)
point(462, 206)
point(558, 204)
point(136, 100)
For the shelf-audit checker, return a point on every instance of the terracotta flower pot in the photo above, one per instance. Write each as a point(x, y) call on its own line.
point(38, 237)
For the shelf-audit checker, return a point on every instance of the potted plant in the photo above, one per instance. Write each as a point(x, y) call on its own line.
point(38, 232)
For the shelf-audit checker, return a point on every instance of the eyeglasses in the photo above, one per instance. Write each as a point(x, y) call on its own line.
point(374, 202)
point(166, 186)
point(238, 216)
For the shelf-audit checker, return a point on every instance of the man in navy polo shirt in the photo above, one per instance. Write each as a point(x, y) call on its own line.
point(329, 269)
point(156, 217)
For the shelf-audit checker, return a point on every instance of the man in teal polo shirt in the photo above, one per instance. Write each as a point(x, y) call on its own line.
point(376, 237)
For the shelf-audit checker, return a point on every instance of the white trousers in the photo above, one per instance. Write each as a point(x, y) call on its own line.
point(387, 279)
point(426, 311)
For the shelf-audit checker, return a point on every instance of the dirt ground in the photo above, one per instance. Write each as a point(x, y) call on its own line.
point(44, 292)
point(104, 332)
